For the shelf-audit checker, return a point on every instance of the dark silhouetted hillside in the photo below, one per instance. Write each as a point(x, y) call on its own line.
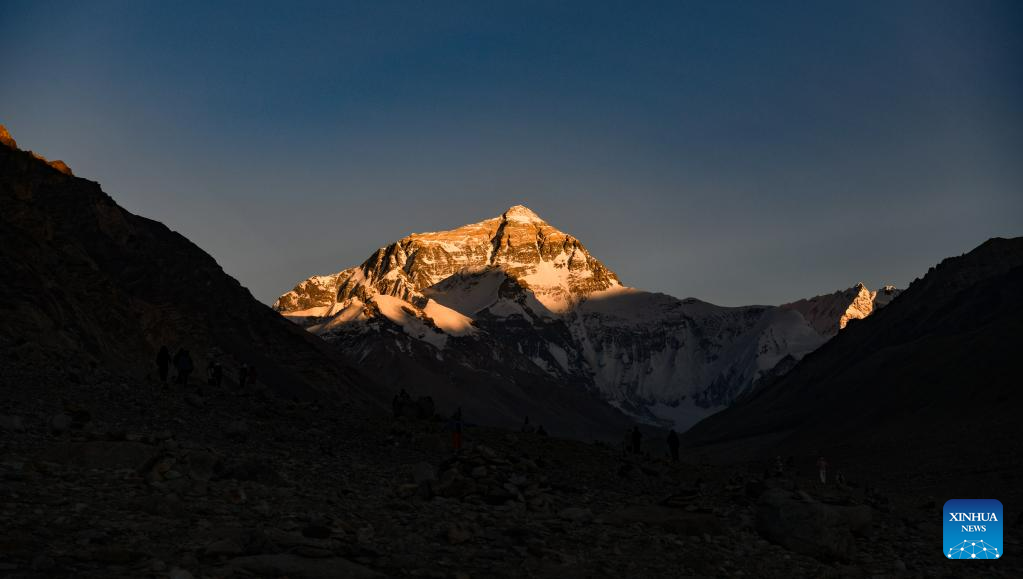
point(933, 377)
point(88, 285)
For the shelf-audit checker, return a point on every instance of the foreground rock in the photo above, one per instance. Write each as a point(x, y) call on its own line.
point(798, 522)
point(166, 492)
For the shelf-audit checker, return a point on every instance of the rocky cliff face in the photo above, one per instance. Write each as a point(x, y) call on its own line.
point(6, 139)
point(554, 266)
point(936, 364)
point(513, 292)
point(831, 312)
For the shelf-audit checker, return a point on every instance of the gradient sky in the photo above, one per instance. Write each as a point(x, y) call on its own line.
point(740, 152)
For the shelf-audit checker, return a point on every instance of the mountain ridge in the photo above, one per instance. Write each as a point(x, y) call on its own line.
point(945, 346)
point(420, 260)
point(533, 292)
point(90, 285)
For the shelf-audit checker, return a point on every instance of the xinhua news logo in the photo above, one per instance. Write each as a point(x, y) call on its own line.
point(972, 529)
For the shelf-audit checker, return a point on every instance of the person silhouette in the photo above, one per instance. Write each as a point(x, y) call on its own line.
point(456, 429)
point(673, 445)
point(526, 427)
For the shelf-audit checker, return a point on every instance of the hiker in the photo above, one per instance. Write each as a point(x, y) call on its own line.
point(456, 429)
point(404, 396)
point(779, 466)
point(637, 440)
point(526, 427)
point(243, 376)
point(541, 431)
point(163, 363)
point(627, 443)
point(183, 364)
point(822, 469)
point(214, 373)
point(673, 444)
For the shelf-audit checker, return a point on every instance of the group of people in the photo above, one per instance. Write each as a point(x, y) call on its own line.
point(403, 405)
point(822, 472)
point(399, 400)
point(424, 408)
point(527, 428)
point(634, 443)
point(787, 466)
point(184, 366)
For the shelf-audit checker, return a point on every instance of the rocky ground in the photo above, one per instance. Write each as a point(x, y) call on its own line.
point(105, 477)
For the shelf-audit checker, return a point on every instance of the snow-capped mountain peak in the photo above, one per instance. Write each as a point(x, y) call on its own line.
point(521, 213)
point(513, 295)
point(555, 266)
point(830, 313)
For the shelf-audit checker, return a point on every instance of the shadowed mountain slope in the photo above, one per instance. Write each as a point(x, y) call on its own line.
point(932, 377)
point(87, 285)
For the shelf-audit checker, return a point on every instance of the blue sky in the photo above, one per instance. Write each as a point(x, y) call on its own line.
point(740, 152)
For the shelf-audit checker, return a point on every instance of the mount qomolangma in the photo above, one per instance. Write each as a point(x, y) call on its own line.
point(513, 298)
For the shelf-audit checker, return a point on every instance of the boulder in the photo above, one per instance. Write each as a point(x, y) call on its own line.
point(802, 524)
point(859, 519)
